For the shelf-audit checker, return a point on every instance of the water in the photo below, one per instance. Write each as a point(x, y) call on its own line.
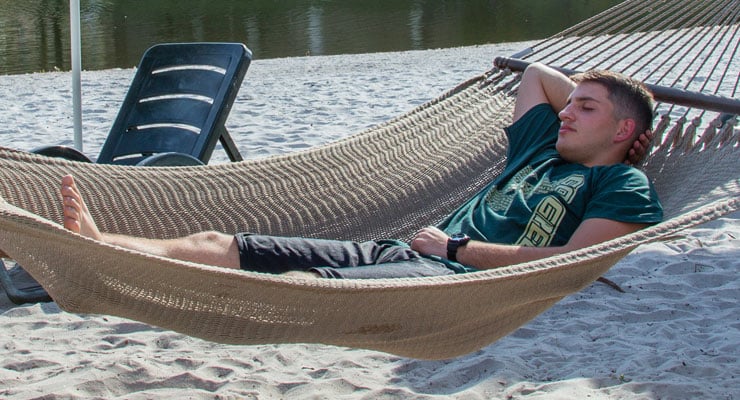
point(34, 34)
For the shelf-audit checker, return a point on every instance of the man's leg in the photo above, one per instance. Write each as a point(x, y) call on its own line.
point(212, 248)
point(267, 254)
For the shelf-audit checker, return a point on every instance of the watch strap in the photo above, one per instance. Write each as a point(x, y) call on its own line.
point(454, 243)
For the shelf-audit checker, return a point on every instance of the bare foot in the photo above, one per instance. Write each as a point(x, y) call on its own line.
point(77, 217)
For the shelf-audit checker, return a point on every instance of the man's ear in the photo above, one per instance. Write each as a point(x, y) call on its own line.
point(625, 130)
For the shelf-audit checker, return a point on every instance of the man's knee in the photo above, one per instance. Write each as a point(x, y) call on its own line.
point(210, 247)
point(208, 242)
point(210, 238)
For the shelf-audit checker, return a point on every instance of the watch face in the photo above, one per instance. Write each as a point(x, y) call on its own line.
point(458, 236)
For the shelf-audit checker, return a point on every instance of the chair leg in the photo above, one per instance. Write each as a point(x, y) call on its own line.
point(228, 144)
point(32, 294)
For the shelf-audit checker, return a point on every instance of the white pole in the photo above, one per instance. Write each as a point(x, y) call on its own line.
point(76, 41)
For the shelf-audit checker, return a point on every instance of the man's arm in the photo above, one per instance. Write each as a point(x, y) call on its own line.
point(483, 255)
point(542, 84)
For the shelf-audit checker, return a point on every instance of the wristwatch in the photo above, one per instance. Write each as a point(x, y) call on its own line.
point(455, 242)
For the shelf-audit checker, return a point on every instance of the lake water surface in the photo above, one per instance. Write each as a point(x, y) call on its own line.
point(34, 34)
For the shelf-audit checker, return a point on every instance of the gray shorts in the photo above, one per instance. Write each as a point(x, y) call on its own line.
point(334, 258)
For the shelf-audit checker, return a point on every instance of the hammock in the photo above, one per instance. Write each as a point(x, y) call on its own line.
point(382, 183)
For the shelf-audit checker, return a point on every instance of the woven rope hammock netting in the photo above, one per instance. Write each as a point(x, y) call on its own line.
point(386, 182)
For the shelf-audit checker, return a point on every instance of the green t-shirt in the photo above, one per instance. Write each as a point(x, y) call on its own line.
point(540, 199)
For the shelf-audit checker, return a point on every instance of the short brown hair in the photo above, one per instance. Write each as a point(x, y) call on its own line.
point(630, 97)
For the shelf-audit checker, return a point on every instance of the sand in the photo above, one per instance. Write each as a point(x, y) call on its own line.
point(674, 334)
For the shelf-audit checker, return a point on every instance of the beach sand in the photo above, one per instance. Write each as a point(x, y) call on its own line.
point(674, 334)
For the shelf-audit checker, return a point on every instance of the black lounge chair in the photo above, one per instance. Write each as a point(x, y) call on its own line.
point(174, 114)
point(176, 108)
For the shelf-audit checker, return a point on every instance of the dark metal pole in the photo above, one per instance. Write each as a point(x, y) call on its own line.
point(661, 93)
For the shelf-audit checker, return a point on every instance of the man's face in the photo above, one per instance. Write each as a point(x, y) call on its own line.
point(588, 126)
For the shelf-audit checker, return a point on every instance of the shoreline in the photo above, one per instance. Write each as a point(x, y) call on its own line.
point(673, 334)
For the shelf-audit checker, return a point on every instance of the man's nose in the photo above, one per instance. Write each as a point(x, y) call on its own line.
point(565, 113)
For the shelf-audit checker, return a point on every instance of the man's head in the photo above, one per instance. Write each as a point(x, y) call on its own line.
point(631, 99)
point(606, 113)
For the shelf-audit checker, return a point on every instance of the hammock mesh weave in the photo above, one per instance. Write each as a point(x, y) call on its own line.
point(385, 182)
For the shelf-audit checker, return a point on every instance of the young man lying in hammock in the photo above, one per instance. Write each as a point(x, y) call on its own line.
point(565, 187)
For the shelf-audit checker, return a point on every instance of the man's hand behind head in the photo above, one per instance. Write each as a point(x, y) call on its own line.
point(639, 148)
